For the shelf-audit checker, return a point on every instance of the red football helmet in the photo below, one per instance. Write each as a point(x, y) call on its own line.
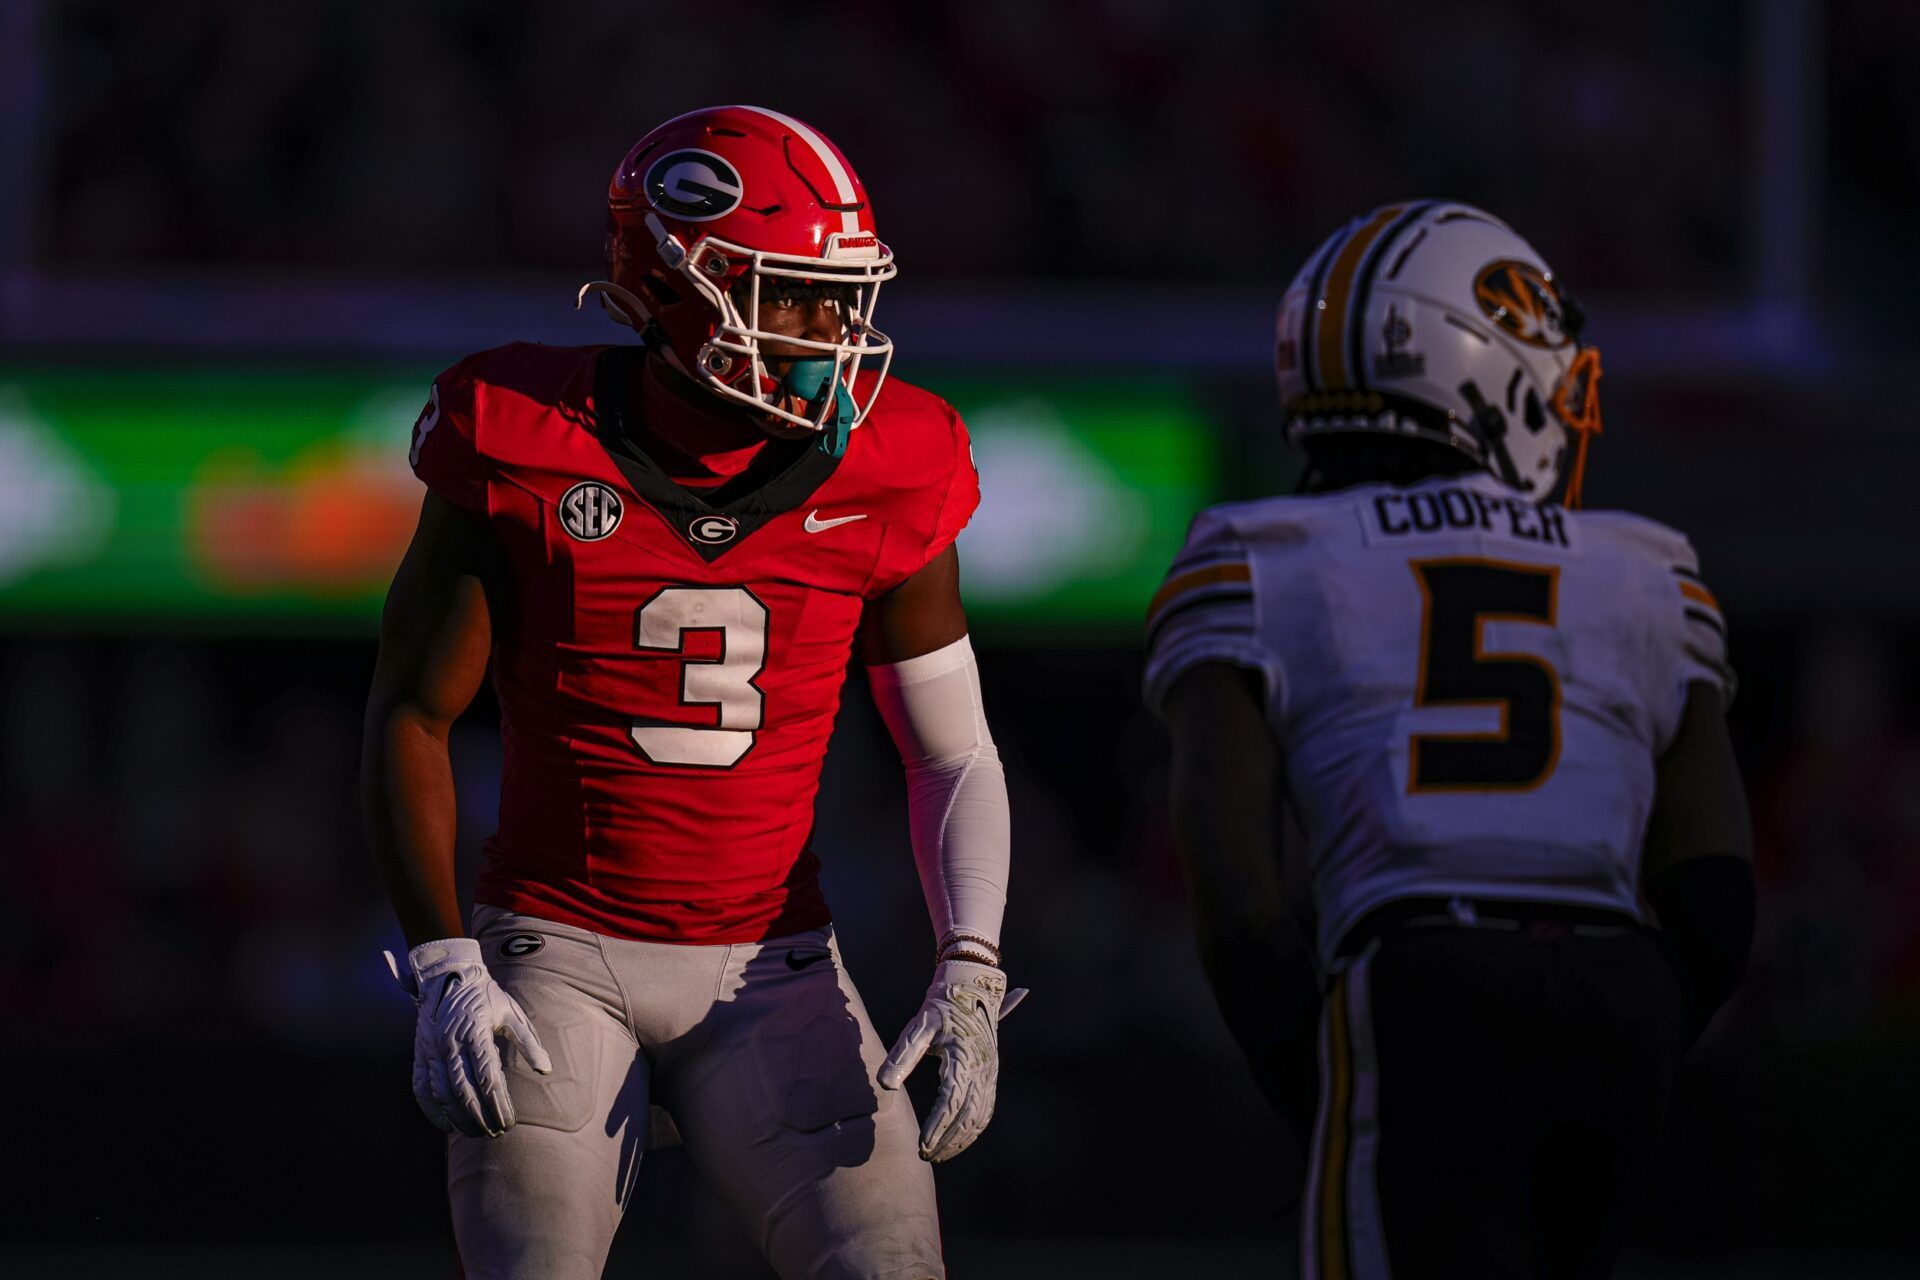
point(713, 209)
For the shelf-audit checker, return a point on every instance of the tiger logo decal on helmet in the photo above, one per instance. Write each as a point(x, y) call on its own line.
point(1523, 300)
point(1434, 319)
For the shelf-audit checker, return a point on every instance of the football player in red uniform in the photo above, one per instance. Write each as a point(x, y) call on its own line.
point(669, 552)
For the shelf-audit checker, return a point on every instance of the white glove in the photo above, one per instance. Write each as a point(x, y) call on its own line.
point(457, 1077)
point(958, 1021)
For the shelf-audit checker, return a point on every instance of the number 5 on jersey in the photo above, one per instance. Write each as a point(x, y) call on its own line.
point(1460, 597)
point(725, 682)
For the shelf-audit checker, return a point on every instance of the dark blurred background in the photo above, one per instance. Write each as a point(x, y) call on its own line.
point(237, 239)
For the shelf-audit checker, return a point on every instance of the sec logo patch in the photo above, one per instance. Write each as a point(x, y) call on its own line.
point(590, 511)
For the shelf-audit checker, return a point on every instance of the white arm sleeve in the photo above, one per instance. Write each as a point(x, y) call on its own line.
point(956, 789)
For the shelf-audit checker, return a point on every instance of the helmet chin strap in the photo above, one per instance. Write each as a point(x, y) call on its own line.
point(619, 303)
point(627, 309)
point(812, 380)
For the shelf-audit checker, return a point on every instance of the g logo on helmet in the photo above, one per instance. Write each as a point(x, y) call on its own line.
point(1520, 298)
point(694, 186)
point(590, 511)
point(713, 530)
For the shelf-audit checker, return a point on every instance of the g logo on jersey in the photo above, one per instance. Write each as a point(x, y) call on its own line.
point(694, 186)
point(1520, 298)
point(521, 944)
point(590, 511)
point(714, 530)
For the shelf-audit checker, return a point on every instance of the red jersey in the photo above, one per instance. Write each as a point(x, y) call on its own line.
point(668, 671)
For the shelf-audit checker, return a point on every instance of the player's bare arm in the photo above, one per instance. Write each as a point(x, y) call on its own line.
point(921, 667)
point(1698, 866)
point(435, 634)
point(1227, 792)
point(920, 615)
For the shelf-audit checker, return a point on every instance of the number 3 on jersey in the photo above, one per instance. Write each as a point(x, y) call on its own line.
point(725, 682)
point(1460, 598)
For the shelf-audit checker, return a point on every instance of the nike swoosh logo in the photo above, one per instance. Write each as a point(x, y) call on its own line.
point(814, 524)
point(797, 962)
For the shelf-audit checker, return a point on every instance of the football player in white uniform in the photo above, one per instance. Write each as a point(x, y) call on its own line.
point(1499, 720)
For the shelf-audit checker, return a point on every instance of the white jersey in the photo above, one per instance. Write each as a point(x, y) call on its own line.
point(1470, 689)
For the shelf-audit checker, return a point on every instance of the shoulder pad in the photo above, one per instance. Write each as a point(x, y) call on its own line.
point(1204, 610)
point(1687, 611)
point(1642, 536)
point(455, 450)
point(917, 448)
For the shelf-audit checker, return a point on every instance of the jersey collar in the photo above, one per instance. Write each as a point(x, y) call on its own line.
point(708, 530)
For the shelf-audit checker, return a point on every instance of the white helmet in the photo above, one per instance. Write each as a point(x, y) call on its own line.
point(1432, 319)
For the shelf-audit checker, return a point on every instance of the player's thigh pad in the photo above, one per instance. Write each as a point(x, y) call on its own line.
point(544, 1199)
point(806, 1055)
point(781, 1111)
point(564, 985)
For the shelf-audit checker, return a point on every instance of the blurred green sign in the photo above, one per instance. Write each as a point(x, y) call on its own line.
point(282, 496)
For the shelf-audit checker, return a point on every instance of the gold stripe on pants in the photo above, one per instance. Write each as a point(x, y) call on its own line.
point(1331, 1210)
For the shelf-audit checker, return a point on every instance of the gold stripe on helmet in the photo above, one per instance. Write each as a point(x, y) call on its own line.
point(1336, 298)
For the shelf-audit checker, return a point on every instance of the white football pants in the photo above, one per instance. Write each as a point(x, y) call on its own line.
point(764, 1057)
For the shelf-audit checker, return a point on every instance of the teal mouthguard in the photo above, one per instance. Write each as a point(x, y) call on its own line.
point(810, 380)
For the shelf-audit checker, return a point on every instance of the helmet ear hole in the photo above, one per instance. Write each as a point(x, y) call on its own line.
point(1536, 414)
point(668, 295)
